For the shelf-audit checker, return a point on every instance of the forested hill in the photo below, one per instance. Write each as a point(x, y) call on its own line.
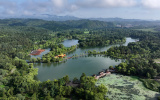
point(57, 25)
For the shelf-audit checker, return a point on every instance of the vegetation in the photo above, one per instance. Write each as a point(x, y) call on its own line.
point(52, 56)
point(122, 87)
point(139, 55)
point(151, 84)
point(147, 30)
point(101, 38)
point(17, 38)
point(20, 36)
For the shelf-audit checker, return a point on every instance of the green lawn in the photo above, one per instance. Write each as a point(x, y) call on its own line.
point(86, 32)
point(122, 87)
point(3, 36)
point(147, 29)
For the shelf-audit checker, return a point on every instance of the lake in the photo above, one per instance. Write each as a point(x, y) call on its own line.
point(69, 43)
point(119, 87)
point(75, 67)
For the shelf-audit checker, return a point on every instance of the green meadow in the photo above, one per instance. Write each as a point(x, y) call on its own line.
point(86, 32)
point(122, 87)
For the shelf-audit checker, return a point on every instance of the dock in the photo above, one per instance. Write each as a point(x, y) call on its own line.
point(102, 74)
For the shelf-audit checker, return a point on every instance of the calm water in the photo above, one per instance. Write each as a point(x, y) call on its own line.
point(69, 43)
point(75, 67)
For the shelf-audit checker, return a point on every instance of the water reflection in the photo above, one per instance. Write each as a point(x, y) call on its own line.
point(69, 43)
point(89, 64)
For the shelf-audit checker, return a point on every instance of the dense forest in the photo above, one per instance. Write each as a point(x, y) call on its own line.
point(56, 25)
point(18, 37)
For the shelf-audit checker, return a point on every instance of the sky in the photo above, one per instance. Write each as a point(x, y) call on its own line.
point(128, 9)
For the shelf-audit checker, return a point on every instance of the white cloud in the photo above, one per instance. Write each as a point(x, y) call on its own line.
point(10, 12)
point(40, 7)
point(7, 4)
point(151, 3)
point(58, 6)
point(106, 3)
point(8, 8)
point(59, 3)
point(73, 7)
point(29, 7)
point(25, 12)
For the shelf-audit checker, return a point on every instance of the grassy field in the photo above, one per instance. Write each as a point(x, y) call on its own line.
point(86, 32)
point(122, 87)
point(3, 36)
point(147, 29)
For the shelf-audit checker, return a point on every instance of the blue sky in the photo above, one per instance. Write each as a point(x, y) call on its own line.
point(130, 9)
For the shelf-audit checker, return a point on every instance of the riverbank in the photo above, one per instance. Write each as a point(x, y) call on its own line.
point(122, 87)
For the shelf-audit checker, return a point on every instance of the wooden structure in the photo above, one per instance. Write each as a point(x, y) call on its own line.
point(102, 74)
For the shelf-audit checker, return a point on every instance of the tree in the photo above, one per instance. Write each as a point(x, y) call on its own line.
point(34, 96)
point(48, 96)
point(39, 59)
point(148, 75)
point(110, 67)
point(34, 60)
point(75, 80)
point(66, 78)
point(102, 89)
point(20, 97)
point(82, 78)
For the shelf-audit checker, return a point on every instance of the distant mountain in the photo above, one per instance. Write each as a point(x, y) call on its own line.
point(49, 17)
point(65, 18)
point(82, 24)
point(56, 25)
point(58, 18)
point(93, 23)
point(116, 19)
point(90, 24)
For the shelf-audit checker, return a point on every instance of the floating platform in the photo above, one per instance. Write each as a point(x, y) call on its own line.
point(102, 74)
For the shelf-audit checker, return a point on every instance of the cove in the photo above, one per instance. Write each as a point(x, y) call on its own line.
point(75, 67)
